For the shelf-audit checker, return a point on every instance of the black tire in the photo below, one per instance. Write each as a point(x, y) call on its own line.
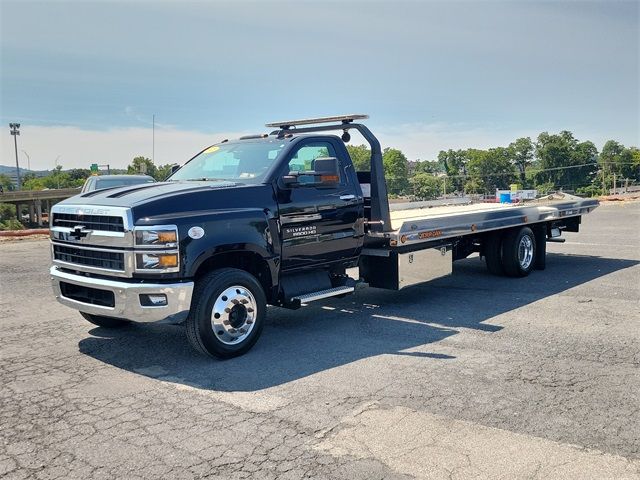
point(105, 322)
point(519, 252)
point(493, 253)
point(226, 341)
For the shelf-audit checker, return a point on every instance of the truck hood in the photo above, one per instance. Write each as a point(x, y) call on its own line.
point(174, 199)
point(134, 195)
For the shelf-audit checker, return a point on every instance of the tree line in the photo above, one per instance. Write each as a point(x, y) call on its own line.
point(76, 177)
point(550, 163)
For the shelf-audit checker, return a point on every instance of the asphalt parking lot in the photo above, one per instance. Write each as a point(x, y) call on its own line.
point(471, 376)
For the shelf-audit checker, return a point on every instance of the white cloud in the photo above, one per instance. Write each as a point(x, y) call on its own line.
point(79, 148)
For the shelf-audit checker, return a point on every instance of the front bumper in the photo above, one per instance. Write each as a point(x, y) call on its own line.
point(126, 297)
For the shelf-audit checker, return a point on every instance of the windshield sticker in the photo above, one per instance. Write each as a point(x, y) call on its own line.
point(211, 149)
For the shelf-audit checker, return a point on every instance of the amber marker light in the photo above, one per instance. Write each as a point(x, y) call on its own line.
point(168, 261)
point(167, 236)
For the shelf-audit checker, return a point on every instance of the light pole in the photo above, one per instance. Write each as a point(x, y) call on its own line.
point(28, 160)
point(15, 130)
point(57, 173)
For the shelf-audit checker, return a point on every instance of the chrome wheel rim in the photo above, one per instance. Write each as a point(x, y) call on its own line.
point(525, 252)
point(234, 315)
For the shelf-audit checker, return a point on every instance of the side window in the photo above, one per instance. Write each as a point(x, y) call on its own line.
point(304, 158)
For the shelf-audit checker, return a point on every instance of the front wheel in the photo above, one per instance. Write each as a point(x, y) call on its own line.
point(105, 322)
point(519, 252)
point(227, 313)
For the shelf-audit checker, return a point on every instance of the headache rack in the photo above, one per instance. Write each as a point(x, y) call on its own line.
point(380, 220)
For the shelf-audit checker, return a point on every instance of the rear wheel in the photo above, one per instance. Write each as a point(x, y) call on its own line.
point(518, 252)
point(227, 313)
point(105, 322)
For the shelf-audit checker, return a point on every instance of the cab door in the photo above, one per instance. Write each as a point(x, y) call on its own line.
point(320, 224)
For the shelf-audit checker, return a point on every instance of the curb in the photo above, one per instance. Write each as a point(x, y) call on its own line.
point(24, 233)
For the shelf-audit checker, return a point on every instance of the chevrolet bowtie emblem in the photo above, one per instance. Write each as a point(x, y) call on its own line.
point(79, 232)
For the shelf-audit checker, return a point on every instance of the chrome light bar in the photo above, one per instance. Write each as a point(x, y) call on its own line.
point(314, 121)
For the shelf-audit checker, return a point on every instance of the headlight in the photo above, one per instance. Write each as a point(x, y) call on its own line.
point(165, 262)
point(157, 236)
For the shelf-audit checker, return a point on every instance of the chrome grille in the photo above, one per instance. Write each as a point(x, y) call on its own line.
point(89, 258)
point(91, 222)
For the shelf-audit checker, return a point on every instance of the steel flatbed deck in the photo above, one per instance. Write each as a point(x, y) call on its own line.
point(421, 225)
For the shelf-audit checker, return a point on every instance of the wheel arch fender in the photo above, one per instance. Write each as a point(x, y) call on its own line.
point(251, 258)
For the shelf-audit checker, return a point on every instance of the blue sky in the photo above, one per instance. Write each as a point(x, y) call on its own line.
point(84, 78)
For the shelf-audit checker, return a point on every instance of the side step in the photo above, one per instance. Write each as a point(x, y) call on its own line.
point(330, 292)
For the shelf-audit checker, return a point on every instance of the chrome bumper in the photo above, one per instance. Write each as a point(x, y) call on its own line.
point(127, 298)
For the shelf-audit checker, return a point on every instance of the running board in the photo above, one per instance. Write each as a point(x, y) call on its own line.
point(330, 292)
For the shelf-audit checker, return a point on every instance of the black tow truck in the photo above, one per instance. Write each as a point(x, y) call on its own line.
point(274, 219)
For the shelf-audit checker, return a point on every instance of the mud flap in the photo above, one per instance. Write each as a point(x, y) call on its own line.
point(540, 234)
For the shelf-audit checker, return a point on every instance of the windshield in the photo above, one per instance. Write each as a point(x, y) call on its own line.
point(245, 162)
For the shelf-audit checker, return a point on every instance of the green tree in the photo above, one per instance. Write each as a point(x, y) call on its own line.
point(7, 211)
point(522, 153)
point(360, 156)
point(429, 166)
point(426, 186)
point(565, 162)
point(616, 159)
point(396, 171)
point(34, 183)
point(163, 172)
point(142, 165)
point(79, 174)
point(5, 181)
point(489, 170)
point(454, 163)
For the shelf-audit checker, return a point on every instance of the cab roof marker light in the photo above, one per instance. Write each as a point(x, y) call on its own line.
point(252, 137)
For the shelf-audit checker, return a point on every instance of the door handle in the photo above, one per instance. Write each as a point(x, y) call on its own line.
point(300, 218)
point(347, 197)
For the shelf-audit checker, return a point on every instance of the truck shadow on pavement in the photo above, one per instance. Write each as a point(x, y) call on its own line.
point(324, 335)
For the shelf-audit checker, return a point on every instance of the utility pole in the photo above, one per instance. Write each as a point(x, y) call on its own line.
point(15, 130)
point(28, 160)
point(614, 183)
point(153, 138)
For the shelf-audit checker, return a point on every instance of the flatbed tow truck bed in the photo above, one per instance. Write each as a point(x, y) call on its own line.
point(417, 225)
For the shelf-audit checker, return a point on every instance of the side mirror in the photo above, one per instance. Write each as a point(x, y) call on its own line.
point(174, 168)
point(325, 173)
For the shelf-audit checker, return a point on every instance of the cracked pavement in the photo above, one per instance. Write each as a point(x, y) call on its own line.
point(470, 376)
